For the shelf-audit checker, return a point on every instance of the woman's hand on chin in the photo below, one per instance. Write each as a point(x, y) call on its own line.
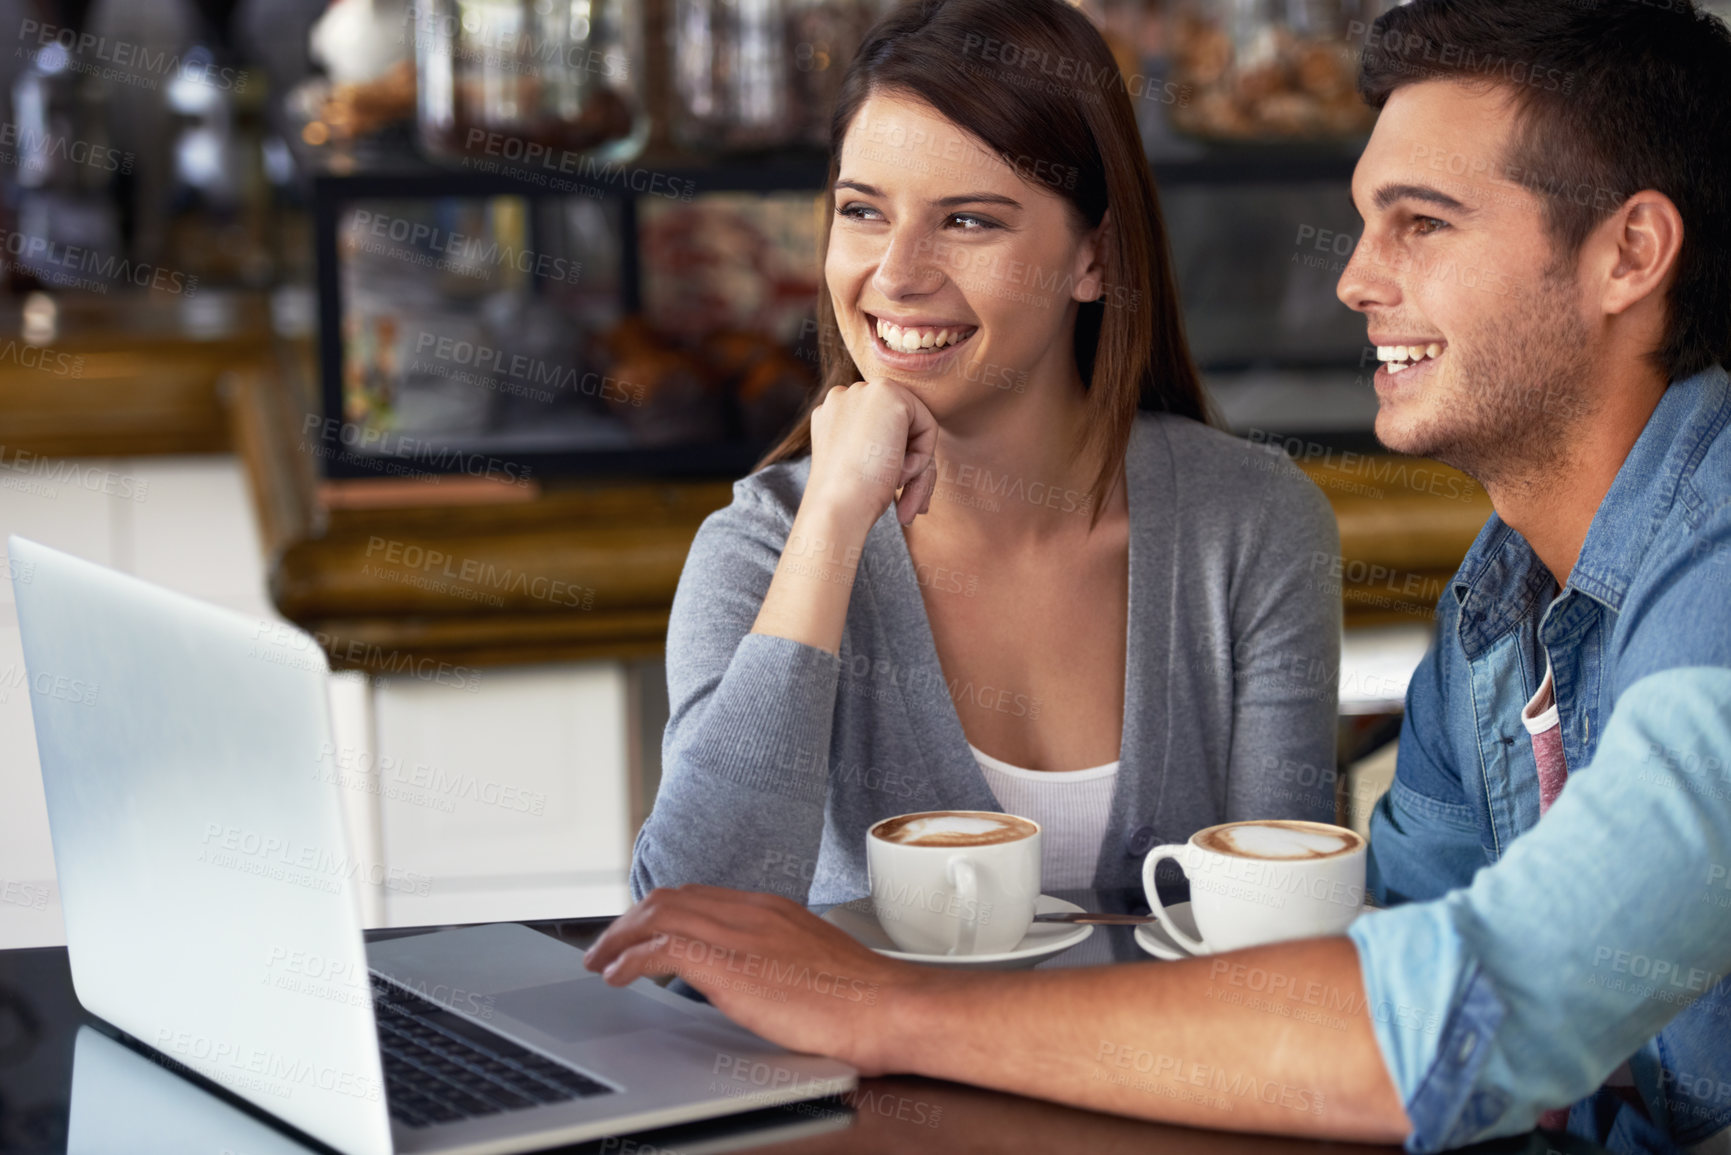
point(767, 963)
point(868, 440)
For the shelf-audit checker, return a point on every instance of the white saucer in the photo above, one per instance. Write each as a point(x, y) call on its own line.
point(1043, 940)
point(1152, 937)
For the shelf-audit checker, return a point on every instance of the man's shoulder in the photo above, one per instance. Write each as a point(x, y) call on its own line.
point(1677, 609)
point(1707, 494)
point(1692, 541)
point(1691, 556)
point(1689, 491)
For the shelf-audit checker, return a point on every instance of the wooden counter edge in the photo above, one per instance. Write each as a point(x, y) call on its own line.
point(622, 545)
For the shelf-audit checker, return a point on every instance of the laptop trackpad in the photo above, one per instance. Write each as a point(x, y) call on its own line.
point(584, 1009)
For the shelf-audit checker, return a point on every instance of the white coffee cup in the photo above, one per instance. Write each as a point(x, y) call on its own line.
point(1263, 881)
point(954, 882)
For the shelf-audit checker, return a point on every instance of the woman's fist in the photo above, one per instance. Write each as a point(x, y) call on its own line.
point(868, 440)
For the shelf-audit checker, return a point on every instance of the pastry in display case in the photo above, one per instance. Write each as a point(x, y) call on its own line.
point(665, 394)
point(1258, 70)
point(730, 260)
point(770, 381)
point(670, 390)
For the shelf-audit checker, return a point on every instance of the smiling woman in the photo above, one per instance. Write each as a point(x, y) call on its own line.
point(1026, 100)
point(1092, 609)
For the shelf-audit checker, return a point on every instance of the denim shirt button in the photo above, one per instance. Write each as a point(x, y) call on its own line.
point(1141, 841)
point(1468, 1044)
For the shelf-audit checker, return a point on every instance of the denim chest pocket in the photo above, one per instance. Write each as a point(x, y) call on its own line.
point(1459, 817)
point(1457, 814)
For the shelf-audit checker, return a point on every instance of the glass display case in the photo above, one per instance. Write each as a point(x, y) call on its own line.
point(655, 316)
point(561, 328)
point(466, 313)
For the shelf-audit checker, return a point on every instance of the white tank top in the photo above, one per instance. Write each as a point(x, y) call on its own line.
point(1071, 806)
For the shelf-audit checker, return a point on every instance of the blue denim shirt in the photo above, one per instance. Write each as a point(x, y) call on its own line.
point(1522, 961)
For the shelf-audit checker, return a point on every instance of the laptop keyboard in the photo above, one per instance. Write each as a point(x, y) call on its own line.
point(440, 1067)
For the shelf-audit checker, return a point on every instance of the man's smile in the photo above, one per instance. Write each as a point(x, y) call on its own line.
point(1411, 359)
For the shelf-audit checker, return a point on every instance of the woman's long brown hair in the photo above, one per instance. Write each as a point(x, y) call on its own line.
point(1035, 82)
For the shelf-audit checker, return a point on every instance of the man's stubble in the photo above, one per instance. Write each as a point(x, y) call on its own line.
point(1518, 385)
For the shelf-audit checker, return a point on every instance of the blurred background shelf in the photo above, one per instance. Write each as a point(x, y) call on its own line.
point(395, 168)
point(119, 376)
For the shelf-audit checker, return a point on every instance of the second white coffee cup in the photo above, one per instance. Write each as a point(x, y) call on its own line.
point(954, 882)
point(1257, 882)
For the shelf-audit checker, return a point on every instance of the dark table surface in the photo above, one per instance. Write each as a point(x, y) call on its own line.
point(42, 1025)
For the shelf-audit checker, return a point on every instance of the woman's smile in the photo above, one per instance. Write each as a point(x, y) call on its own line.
point(917, 343)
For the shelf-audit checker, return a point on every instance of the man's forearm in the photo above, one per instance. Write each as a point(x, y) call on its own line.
point(1276, 1039)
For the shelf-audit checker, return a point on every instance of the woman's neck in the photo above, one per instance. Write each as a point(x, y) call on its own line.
point(1006, 473)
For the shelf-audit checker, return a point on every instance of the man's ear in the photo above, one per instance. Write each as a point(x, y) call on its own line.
point(1089, 276)
point(1637, 250)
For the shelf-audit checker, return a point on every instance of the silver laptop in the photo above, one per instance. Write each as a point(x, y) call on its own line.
point(124, 1102)
point(212, 913)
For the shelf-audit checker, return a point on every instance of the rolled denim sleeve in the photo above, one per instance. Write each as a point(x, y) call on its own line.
point(1524, 990)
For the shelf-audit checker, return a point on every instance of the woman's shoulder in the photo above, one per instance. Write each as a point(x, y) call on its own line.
point(775, 490)
point(745, 538)
point(764, 501)
point(1229, 463)
point(1210, 471)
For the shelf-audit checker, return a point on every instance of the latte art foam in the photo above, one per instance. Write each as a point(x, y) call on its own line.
point(953, 828)
point(1279, 840)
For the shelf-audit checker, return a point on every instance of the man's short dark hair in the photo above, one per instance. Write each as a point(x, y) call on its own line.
point(1611, 97)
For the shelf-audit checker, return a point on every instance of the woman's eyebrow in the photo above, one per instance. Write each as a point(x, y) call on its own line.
point(978, 199)
point(942, 202)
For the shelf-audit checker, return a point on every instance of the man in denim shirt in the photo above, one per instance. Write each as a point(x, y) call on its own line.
point(1593, 955)
point(1546, 271)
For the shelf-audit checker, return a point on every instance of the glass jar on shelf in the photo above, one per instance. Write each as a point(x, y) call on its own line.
point(731, 71)
point(61, 203)
point(1269, 70)
point(824, 36)
point(515, 80)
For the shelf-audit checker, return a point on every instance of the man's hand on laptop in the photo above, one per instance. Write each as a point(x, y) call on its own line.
point(767, 963)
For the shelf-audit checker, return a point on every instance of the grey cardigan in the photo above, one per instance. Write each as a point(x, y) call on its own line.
point(778, 756)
